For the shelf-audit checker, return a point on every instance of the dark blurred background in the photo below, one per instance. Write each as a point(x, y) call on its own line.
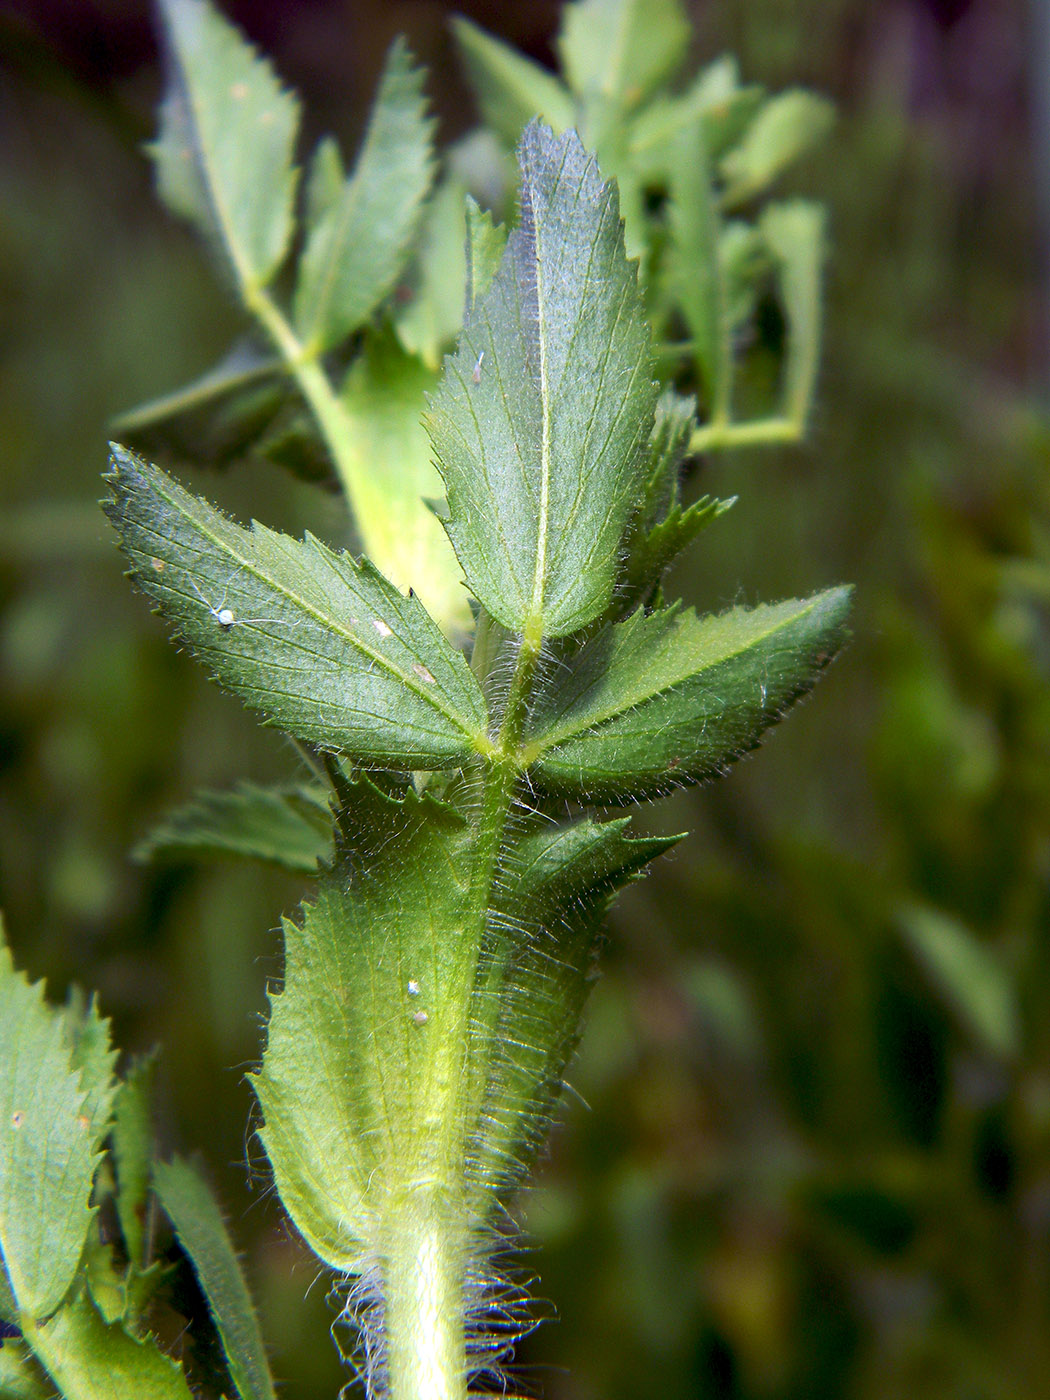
point(815, 1157)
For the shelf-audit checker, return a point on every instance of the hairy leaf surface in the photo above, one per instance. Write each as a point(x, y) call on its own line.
point(286, 826)
point(91, 1360)
point(133, 1153)
point(359, 241)
point(541, 415)
point(49, 1109)
point(350, 1085)
point(672, 698)
point(224, 154)
point(202, 1233)
point(486, 241)
point(326, 647)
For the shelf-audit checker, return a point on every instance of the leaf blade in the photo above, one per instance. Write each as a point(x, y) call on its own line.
point(327, 648)
point(224, 154)
point(511, 89)
point(671, 698)
point(622, 49)
point(89, 1358)
point(540, 475)
point(357, 247)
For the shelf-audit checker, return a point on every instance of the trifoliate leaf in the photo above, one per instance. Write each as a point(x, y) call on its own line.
point(783, 130)
point(672, 698)
point(326, 647)
point(429, 317)
point(202, 1233)
point(511, 89)
point(286, 826)
point(89, 1359)
point(553, 890)
point(486, 241)
point(622, 49)
point(133, 1153)
point(47, 1161)
point(794, 235)
point(224, 154)
point(973, 980)
point(542, 414)
point(357, 248)
point(390, 475)
point(347, 1083)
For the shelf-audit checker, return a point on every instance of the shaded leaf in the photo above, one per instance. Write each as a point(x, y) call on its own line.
point(47, 1163)
point(20, 1375)
point(540, 442)
point(511, 89)
point(784, 129)
point(202, 1233)
point(327, 648)
point(224, 154)
point(286, 826)
point(622, 49)
point(672, 698)
point(133, 1153)
point(390, 476)
point(431, 314)
point(90, 1360)
point(357, 248)
point(346, 1084)
point(794, 235)
point(969, 975)
point(486, 241)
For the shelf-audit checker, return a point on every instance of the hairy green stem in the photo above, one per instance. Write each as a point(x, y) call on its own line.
point(723, 435)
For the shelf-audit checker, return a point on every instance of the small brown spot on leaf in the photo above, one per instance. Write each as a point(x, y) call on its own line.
point(239, 91)
point(83, 1122)
point(157, 564)
point(17, 1118)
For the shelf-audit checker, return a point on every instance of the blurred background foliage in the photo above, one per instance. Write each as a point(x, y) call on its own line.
point(815, 1157)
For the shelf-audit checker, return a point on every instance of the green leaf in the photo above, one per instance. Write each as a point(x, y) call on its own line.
point(622, 49)
point(554, 888)
point(486, 241)
point(784, 129)
point(430, 317)
point(794, 235)
point(973, 980)
point(202, 1234)
point(20, 1376)
point(356, 250)
point(327, 648)
point(745, 262)
point(90, 1360)
point(88, 1038)
point(224, 154)
point(47, 1162)
point(133, 1153)
point(286, 826)
point(714, 100)
point(390, 477)
point(511, 89)
point(216, 419)
point(540, 440)
point(324, 183)
point(672, 698)
point(694, 268)
point(661, 545)
point(346, 1082)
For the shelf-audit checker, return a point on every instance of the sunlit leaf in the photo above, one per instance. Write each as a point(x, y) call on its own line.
point(622, 49)
point(89, 1359)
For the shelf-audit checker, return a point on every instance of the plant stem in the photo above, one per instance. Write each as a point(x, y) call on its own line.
point(721, 435)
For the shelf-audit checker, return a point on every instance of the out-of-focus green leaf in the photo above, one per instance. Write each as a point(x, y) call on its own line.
point(133, 1153)
point(224, 154)
point(694, 266)
point(430, 317)
point(785, 128)
point(346, 1082)
point(540, 417)
point(47, 1160)
point(286, 826)
point(971, 978)
point(672, 698)
point(88, 1038)
point(326, 647)
point(202, 1234)
point(510, 88)
point(794, 235)
point(621, 49)
point(390, 476)
point(745, 260)
point(20, 1375)
point(486, 241)
point(325, 181)
point(714, 100)
point(358, 246)
point(90, 1360)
